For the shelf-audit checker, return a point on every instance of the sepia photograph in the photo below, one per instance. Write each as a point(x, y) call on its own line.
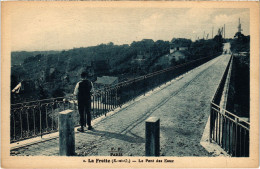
point(130, 84)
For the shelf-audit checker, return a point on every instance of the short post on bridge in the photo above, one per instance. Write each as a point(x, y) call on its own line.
point(152, 136)
point(66, 133)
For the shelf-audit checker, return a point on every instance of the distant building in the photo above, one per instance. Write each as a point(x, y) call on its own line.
point(178, 55)
point(105, 81)
point(140, 58)
point(139, 63)
point(177, 47)
point(179, 44)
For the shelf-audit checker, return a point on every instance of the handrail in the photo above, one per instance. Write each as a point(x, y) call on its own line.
point(136, 79)
point(228, 130)
point(231, 114)
point(236, 117)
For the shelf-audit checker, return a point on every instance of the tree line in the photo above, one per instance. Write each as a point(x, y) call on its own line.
point(55, 73)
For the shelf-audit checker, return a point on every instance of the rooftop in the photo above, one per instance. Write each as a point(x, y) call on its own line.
point(106, 80)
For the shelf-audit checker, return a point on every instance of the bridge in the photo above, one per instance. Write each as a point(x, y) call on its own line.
point(182, 103)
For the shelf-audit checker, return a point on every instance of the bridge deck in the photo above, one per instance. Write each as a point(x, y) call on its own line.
point(182, 106)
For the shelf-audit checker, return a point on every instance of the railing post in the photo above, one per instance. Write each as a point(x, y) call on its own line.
point(102, 102)
point(34, 128)
point(28, 123)
point(144, 85)
point(66, 133)
point(210, 123)
point(21, 123)
point(116, 98)
point(40, 111)
point(46, 117)
point(106, 100)
point(134, 87)
point(14, 126)
point(152, 136)
point(236, 136)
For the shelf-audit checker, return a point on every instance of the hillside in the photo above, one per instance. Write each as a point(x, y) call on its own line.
point(53, 74)
point(18, 57)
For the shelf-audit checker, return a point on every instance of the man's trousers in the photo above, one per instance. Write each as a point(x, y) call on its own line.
point(84, 110)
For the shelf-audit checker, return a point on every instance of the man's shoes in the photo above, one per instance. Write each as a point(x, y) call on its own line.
point(80, 129)
point(90, 127)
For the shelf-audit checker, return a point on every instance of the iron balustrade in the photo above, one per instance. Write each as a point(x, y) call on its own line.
point(226, 129)
point(36, 118)
point(31, 119)
point(229, 131)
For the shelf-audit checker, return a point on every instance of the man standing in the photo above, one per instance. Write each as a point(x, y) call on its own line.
point(83, 91)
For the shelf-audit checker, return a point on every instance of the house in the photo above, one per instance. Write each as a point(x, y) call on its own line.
point(105, 81)
point(140, 58)
point(177, 47)
point(178, 55)
point(179, 44)
point(139, 62)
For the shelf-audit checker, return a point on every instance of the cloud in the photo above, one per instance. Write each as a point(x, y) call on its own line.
point(231, 22)
point(220, 19)
point(150, 25)
point(54, 28)
point(152, 20)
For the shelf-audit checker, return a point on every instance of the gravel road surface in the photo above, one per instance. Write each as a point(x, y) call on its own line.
point(183, 109)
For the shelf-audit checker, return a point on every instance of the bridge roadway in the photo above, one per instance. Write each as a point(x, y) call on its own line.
point(183, 106)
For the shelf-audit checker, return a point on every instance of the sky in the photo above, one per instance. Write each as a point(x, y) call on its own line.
point(39, 29)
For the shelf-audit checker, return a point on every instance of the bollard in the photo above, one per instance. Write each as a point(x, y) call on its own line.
point(66, 133)
point(152, 136)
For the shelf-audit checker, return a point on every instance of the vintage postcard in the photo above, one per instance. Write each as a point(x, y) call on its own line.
point(157, 84)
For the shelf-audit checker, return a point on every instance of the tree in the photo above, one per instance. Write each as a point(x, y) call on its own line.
point(58, 93)
point(42, 93)
point(181, 42)
point(14, 81)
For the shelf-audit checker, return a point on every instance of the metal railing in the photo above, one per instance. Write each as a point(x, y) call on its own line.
point(229, 131)
point(226, 129)
point(31, 119)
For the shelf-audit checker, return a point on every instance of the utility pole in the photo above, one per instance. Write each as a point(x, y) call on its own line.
point(212, 31)
point(239, 26)
point(224, 31)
